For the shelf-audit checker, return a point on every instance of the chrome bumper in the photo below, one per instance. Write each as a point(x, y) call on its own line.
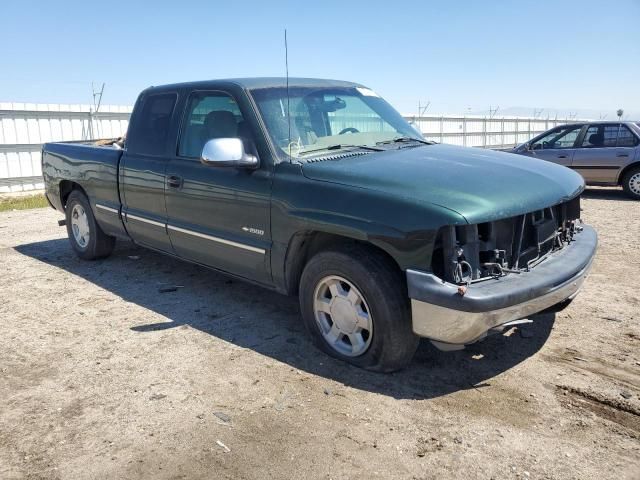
point(441, 314)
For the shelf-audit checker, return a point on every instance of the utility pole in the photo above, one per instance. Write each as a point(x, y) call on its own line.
point(97, 100)
point(97, 94)
point(423, 108)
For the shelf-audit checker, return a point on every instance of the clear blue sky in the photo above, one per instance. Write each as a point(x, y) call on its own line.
point(460, 55)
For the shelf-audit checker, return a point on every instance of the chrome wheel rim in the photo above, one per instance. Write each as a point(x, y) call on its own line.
point(80, 226)
point(634, 183)
point(343, 316)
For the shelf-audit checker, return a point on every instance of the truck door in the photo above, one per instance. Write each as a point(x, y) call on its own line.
point(142, 171)
point(218, 216)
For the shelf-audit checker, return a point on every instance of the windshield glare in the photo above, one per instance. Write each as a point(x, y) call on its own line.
point(328, 117)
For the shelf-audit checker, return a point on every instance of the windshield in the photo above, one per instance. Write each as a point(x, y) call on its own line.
point(329, 119)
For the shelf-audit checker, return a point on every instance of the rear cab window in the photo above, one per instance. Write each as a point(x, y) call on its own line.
point(152, 124)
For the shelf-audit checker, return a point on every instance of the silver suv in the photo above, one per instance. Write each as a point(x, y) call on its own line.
point(604, 153)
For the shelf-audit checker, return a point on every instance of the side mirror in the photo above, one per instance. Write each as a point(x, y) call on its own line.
point(227, 152)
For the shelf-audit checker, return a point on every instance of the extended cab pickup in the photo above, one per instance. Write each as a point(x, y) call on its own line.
point(320, 189)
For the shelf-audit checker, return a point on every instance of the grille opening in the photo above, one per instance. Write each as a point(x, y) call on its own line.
point(468, 253)
point(484, 231)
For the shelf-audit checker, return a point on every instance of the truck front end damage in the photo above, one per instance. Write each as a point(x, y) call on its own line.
point(489, 274)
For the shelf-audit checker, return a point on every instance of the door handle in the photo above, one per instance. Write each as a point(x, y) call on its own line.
point(562, 156)
point(622, 155)
point(174, 181)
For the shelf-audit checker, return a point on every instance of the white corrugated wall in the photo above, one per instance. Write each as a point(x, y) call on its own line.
point(24, 127)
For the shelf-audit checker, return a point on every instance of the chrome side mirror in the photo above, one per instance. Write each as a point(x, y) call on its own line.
point(227, 152)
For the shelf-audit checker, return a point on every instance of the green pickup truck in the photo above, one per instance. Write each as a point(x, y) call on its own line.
point(319, 188)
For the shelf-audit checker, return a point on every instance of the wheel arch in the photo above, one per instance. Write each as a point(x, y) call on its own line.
point(626, 169)
point(304, 244)
point(65, 189)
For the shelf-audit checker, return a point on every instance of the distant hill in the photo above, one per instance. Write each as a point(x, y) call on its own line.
point(581, 113)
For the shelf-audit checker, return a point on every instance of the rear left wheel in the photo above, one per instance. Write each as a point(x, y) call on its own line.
point(85, 235)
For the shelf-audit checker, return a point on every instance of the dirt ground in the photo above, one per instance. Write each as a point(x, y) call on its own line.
point(103, 376)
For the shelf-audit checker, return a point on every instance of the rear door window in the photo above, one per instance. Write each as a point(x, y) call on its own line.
point(610, 135)
point(601, 136)
point(152, 130)
point(626, 138)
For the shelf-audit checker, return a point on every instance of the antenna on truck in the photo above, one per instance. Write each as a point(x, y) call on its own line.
point(286, 68)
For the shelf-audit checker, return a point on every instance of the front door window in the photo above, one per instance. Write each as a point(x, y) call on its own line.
point(210, 115)
point(563, 137)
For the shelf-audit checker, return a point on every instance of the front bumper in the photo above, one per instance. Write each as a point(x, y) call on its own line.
point(440, 313)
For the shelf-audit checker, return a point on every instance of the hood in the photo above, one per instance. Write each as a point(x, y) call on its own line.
point(481, 185)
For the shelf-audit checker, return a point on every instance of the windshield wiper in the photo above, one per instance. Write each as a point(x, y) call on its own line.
point(405, 140)
point(340, 146)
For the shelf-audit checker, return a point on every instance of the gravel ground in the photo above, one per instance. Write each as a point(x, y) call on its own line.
point(103, 376)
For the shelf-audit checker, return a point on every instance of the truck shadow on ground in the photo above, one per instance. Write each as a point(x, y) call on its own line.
point(269, 323)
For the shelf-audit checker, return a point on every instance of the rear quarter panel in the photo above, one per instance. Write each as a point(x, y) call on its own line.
point(94, 169)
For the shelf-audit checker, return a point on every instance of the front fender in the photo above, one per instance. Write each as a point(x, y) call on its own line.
point(401, 227)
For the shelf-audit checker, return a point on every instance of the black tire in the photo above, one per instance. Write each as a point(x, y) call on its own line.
point(393, 343)
point(632, 190)
point(100, 244)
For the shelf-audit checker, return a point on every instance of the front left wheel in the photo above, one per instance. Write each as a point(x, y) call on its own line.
point(87, 239)
point(354, 305)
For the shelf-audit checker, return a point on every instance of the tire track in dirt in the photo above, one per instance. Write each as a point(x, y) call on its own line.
point(619, 411)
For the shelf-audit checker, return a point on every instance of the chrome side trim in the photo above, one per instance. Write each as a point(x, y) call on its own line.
point(128, 216)
point(217, 239)
point(108, 209)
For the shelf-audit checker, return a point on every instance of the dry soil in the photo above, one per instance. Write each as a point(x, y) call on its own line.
point(103, 376)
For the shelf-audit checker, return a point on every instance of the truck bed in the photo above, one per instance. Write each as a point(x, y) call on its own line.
point(93, 167)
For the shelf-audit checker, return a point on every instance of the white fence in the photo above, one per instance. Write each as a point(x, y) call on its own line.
point(496, 133)
point(25, 127)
